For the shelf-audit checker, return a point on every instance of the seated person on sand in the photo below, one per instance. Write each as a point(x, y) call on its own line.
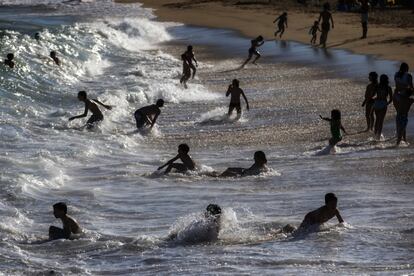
point(257, 168)
point(53, 55)
point(236, 92)
point(9, 61)
point(148, 115)
point(90, 106)
point(70, 226)
point(187, 163)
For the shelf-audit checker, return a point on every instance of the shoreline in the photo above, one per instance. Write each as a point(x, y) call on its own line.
point(384, 42)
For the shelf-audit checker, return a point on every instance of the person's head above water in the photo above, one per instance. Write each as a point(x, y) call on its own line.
point(53, 54)
point(10, 56)
point(160, 103)
point(259, 38)
point(373, 76)
point(82, 95)
point(189, 48)
point(213, 210)
point(384, 80)
point(235, 83)
point(60, 209)
point(335, 114)
point(331, 201)
point(37, 36)
point(183, 149)
point(326, 6)
point(260, 158)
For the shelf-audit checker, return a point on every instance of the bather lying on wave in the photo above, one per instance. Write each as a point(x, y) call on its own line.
point(257, 168)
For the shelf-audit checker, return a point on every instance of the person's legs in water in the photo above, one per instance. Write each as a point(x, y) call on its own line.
point(248, 58)
point(369, 115)
point(56, 233)
point(231, 108)
point(257, 57)
point(334, 140)
point(232, 172)
point(239, 111)
point(401, 121)
point(193, 68)
point(93, 120)
point(180, 168)
point(379, 121)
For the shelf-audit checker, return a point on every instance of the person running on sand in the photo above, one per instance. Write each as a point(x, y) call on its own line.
point(282, 22)
point(257, 168)
point(187, 163)
point(235, 91)
point(381, 102)
point(369, 102)
point(190, 57)
point(92, 107)
point(148, 115)
point(403, 107)
point(70, 226)
point(9, 61)
point(326, 18)
point(336, 127)
point(314, 32)
point(255, 43)
point(53, 55)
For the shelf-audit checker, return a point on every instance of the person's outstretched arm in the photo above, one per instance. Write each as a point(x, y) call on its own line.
point(260, 43)
point(286, 22)
point(169, 162)
point(325, 119)
point(245, 99)
point(229, 90)
point(343, 129)
point(390, 94)
point(154, 120)
point(338, 216)
point(104, 105)
point(277, 19)
point(332, 22)
point(85, 113)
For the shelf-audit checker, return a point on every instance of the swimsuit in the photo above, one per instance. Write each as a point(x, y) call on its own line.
point(140, 118)
point(236, 106)
point(380, 104)
point(94, 119)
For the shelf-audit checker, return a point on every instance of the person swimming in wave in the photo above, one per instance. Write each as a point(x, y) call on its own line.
point(255, 43)
point(70, 226)
point(259, 166)
point(186, 75)
point(190, 57)
point(235, 91)
point(148, 115)
point(369, 102)
point(9, 61)
point(381, 102)
point(53, 55)
point(90, 106)
point(187, 163)
point(403, 107)
point(336, 127)
point(282, 22)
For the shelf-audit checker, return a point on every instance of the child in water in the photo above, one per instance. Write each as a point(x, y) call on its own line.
point(235, 92)
point(255, 43)
point(148, 115)
point(9, 61)
point(336, 127)
point(53, 55)
point(257, 168)
point(70, 226)
point(282, 22)
point(90, 106)
point(369, 102)
point(187, 163)
point(314, 32)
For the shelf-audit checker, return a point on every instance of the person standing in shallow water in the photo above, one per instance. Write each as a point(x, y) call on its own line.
point(369, 102)
point(336, 127)
point(326, 18)
point(190, 57)
point(236, 92)
point(186, 75)
point(381, 102)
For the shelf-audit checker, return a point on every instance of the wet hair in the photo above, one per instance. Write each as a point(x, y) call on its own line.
point(329, 197)
point(189, 48)
point(160, 103)
point(61, 206)
point(259, 38)
point(261, 156)
point(374, 76)
point(184, 147)
point(213, 209)
point(326, 6)
point(403, 69)
point(236, 82)
point(10, 56)
point(336, 114)
point(52, 54)
point(384, 80)
point(82, 94)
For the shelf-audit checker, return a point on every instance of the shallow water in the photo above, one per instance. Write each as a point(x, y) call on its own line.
point(106, 176)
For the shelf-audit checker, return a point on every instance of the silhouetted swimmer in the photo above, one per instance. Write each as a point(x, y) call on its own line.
point(403, 107)
point(92, 107)
point(282, 22)
point(324, 213)
point(382, 98)
point(9, 61)
point(186, 75)
point(189, 55)
point(257, 168)
point(70, 226)
point(255, 43)
point(369, 102)
point(187, 163)
point(314, 32)
point(336, 127)
point(37, 37)
point(53, 55)
point(148, 115)
point(327, 19)
point(235, 91)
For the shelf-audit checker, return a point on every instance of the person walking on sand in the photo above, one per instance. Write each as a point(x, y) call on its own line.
point(364, 17)
point(314, 32)
point(369, 102)
point(326, 18)
point(381, 102)
point(255, 43)
point(282, 22)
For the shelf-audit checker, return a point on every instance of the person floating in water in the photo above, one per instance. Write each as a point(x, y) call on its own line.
point(186, 75)
point(314, 32)
point(235, 91)
point(282, 22)
point(369, 102)
point(326, 18)
point(148, 115)
point(187, 163)
point(324, 213)
point(381, 102)
point(9, 61)
point(255, 43)
point(92, 107)
point(257, 168)
point(190, 57)
point(403, 107)
point(336, 127)
point(53, 55)
point(70, 226)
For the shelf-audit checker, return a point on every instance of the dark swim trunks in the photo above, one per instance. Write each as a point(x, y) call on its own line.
point(253, 51)
point(140, 119)
point(93, 120)
point(236, 106)
point(402, 121)
point(56, 233)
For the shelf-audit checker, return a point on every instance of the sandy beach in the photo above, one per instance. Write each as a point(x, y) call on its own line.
point(388, 38)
